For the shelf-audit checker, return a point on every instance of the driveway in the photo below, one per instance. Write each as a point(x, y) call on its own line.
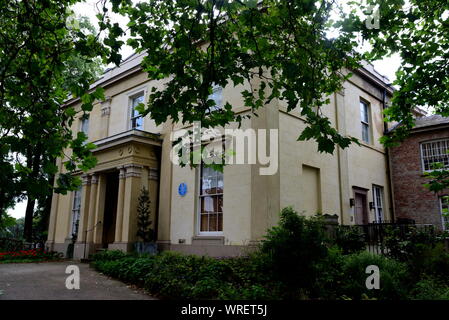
point(47, 281)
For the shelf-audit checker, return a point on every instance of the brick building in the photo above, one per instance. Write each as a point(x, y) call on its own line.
point(428, 143)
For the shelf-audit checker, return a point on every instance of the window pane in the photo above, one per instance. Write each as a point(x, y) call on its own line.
point(137, 100)
point(207, 204)
point(365, 132)
point(76, 212)
point(139, 123)
point(219, 204)
point(211, 200)
point(213, 223)
point(217, 96)
point(204, 222)
point(434, 152)
point(364, 112)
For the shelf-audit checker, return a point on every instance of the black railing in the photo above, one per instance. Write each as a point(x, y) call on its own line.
point(376, 234)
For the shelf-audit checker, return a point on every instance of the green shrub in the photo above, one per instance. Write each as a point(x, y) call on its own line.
point(393, 277)
point(293, 250)
point(108, 255)
point(328, 283)
point(350, 239)
point(430, 288)
point(430, 260)
point(408, 243)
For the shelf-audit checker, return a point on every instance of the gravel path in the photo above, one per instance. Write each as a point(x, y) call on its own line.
point(47, 281)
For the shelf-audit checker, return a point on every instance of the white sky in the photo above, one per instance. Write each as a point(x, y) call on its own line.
point(386, 66)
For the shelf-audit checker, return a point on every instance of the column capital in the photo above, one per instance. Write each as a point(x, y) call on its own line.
point(106, 106)
point(85, 179)
point(122, 172)
point(93, 178)
point(133, 170)
point(153, 174)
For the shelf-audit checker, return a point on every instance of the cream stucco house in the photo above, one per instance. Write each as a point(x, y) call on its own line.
point(219, 214)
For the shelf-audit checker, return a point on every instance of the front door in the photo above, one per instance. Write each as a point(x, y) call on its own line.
point(110, 208)
point(361, 211)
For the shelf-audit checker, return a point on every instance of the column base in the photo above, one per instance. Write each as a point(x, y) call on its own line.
point(122, 246)
point(82, 250)
point(49, 245)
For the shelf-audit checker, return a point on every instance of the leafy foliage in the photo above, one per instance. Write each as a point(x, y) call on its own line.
point(144, 223)
point(296, 261)
point(350, 239)
point(278, 50)
point(45, 58)
point(294, 249)
point(393, 277)
point(418, 31)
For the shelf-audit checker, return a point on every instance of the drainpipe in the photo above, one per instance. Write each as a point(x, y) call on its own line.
point(390, 184)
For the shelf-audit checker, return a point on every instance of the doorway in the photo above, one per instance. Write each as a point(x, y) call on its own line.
point(360, 207)
point(110, 208)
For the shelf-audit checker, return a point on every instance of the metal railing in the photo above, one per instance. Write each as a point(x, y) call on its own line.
point(376, 234)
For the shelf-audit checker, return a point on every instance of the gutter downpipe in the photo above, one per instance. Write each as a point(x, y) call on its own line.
point(390, 184)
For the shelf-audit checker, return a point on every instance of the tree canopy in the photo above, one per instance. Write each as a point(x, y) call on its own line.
point(419, 32)
point(278, 47)
point(40, 46)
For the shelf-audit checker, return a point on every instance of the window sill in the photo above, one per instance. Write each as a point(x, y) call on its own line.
point(208, 240)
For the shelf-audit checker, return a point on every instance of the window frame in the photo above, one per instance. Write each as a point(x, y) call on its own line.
point(363, 123)
point(376, 204)
point(141, 91)
point(75, 212)
point(199, 196)
point(421, 152)
point(443, 219)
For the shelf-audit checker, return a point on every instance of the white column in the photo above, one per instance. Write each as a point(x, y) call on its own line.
point(85, 198)
point(92, 207)
point(121, 195)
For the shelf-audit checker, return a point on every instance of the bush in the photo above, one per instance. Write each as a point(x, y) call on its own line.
point(108, 255)
point(350, 239)
point(421, 250)
point(407, 243)
point(393, 277)
point(429, 260)
point(430, 289)
point(174, 276)
point(294, 249)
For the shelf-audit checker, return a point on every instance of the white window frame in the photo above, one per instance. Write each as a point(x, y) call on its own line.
point(75, 212)
point(425, 143)
point(363, 122)
point(444, 220)
point(379, 217)
point(198, 215)
point(140, 91)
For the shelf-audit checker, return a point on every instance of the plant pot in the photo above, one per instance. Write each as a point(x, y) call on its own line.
point(146, 247)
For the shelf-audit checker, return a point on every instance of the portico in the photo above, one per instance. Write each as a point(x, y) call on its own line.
point(108, 209)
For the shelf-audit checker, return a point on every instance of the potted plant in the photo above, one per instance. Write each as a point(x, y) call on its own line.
point(144, 231)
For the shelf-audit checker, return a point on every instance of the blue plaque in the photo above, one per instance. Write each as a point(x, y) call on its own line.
point(182, 189)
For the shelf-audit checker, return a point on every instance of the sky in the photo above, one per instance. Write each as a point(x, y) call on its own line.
point(386, 67)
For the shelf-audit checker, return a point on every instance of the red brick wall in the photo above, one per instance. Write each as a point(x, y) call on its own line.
point(411, 198)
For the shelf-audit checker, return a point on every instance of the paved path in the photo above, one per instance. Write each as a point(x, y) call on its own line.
point(47, 281)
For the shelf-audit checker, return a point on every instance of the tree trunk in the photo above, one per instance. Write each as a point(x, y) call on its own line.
point(33, 162)
point(29, 212)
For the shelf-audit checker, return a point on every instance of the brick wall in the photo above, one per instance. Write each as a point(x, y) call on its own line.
point(411, 198)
